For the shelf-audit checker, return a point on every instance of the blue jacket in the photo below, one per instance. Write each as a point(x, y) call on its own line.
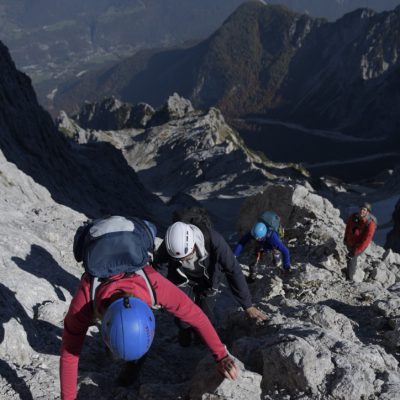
point(219, 262)
point(270, 242)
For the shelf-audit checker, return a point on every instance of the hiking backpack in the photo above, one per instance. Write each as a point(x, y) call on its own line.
point(273, 222)
point(114, 245)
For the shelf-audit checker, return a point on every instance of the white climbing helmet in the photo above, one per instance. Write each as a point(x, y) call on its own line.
point(179, 240)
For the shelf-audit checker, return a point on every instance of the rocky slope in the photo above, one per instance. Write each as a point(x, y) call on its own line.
point(38, 280)
point(266, 59)
point(184, 155)
point(325, 338)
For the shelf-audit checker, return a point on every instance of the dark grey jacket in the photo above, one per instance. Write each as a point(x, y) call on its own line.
point(220, 261)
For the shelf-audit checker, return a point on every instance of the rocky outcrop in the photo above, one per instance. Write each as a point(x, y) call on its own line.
point(186, 150)
point(111, 114)
point(142, 114)
point(325, 338)
point(176, 107)
point(192, 153)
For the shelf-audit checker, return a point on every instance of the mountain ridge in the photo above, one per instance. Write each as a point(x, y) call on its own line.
point(305, 70)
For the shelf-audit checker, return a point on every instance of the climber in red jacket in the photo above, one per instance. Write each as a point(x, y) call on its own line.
point(81, 314)
point(360, 229)
point(119, 287)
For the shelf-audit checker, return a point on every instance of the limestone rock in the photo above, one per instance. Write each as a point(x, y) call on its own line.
point(208, 385)
point(390, 258)
point(142, 115)
point(383, 275)
point(328, 318)
point(176, 107)
point(295, 364)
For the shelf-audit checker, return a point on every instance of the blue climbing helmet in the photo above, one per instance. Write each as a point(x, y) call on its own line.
point(259, 231)
point(128, 328)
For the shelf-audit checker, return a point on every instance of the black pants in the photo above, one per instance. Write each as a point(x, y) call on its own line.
point(204, 299)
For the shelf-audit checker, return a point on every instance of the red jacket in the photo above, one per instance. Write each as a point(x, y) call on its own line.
point(80, 316)
point(359, 232)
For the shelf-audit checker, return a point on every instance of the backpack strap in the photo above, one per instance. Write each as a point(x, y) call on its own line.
point(96, 282)
point(153, 298)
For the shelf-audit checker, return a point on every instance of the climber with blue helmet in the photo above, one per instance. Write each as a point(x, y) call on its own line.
point(268, 240)
point(119, 250)
point(259, 231)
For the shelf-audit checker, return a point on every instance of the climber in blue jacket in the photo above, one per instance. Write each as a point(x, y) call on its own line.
point(268, 240)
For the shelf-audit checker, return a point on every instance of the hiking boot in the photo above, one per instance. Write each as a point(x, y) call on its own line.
point(185, 337)
point(129, 372)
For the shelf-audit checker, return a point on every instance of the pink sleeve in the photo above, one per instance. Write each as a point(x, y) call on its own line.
point(179, 304)
point(76, 324)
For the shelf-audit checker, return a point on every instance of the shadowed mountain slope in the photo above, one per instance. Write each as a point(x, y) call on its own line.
point(94, 179)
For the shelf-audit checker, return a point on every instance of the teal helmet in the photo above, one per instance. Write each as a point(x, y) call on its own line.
point(259, 231)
